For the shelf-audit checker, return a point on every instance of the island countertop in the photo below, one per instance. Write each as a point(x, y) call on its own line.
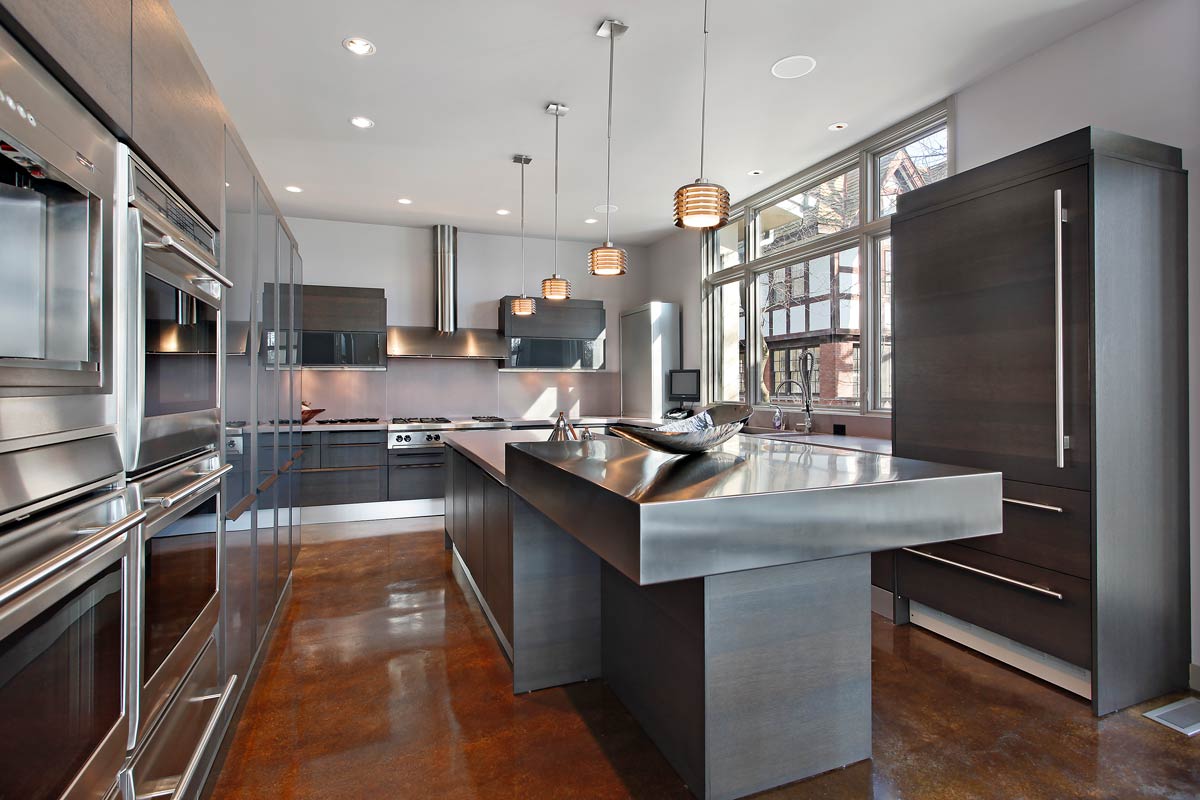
point(747, 504)
point(486, 448)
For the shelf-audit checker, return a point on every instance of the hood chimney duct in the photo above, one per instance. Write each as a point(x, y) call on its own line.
point(445, 243)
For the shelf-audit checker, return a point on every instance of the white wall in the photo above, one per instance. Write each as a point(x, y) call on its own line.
point(400, 261)
point(1137, 72)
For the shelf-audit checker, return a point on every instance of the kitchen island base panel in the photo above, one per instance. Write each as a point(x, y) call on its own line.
point(744, 680)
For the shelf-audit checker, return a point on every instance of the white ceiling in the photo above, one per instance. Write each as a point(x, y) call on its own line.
point(458, 86)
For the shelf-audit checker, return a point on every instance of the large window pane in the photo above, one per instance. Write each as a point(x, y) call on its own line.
point(911, 166)
point(811, 306)
point(730, 338)
point(826, 208)
point(883, 257)
point(731, 244)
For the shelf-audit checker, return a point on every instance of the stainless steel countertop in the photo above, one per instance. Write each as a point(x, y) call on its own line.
point(527, 423)
point(486, 448)
point(750, 503)
point(865, 444)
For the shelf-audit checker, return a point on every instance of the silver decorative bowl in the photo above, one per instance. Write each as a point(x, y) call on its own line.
point(707, 429)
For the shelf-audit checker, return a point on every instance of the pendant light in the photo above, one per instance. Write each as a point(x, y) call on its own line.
point(556, 287)
point(608, 260)
point(522, 306)
point(702, 204)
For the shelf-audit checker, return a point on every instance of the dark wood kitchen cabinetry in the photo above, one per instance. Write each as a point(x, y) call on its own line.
point(555, 319)
point(417, 474)
point(344, 308)
point(178, 119)
point(1040, 329)
point(86, 44)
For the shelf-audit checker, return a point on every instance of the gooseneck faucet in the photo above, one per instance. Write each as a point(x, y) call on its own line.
point(805, 389)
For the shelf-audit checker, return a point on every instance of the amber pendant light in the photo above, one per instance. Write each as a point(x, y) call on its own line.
point(702, 204)
point(522, 306)
point(556, 287)
point(608, 260)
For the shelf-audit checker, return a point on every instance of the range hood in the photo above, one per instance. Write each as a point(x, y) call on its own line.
point(447, 340)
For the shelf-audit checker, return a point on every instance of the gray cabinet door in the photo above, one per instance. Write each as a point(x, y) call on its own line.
point(86, 44)
point(497, 556)
point(177, 117)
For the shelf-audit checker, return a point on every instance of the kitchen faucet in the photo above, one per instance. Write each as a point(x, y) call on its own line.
point(805, 387)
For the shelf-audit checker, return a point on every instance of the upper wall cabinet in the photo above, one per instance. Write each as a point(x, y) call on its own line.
point(86, 43)
point(177, 119)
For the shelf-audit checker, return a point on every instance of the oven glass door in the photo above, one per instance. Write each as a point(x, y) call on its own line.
point(181, 350)
point(60, 686)
point(180, 564)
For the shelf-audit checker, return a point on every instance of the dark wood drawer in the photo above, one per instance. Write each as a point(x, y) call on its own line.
point(353, 437)
point(431, 455)
point(416, 481)
point(338, 485)
point(883, 565)
point(1013, 599)
point(1044, 526)
point(353, 454)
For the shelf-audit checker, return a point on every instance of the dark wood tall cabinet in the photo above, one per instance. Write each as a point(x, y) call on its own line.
point(1040, 326)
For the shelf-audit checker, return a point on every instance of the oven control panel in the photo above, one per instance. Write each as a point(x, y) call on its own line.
point(416, 439)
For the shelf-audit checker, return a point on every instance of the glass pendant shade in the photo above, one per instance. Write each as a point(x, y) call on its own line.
point(701, 205)
point(523, 306)
point(607, 260)
point(556, 288)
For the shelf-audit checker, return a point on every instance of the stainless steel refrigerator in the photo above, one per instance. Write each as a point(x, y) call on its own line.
point(651, 342)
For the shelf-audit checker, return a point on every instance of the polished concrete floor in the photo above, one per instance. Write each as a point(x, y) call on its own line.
point(384, 681)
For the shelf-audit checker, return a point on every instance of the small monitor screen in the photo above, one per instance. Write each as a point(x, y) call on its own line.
point(683, 384)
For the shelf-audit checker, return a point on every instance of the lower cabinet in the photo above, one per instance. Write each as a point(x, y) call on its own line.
point(416, 474)
point(326, 486)
point(497, 554)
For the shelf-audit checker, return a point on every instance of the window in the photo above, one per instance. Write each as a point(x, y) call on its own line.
point(828, 207)
point(816, 279)
point(910, 166)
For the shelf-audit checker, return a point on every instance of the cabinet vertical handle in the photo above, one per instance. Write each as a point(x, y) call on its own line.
point(1060, 440)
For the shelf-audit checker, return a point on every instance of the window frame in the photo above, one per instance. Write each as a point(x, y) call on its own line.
point(863, 156)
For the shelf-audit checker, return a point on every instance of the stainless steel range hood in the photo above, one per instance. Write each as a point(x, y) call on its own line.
point(447, 340)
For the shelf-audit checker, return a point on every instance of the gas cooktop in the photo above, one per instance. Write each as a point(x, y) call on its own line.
point(348, 421)
point(420, 421)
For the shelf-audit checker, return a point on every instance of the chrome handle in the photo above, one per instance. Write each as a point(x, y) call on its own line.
point(1060, 441)
point(1028, 504)
point(169, 242)
point(1010, 581)
point(50, 566)
point(193, 764)
point(177, 497)
point(136, 393)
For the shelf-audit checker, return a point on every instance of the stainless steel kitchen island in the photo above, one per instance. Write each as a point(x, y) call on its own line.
point(723, 597)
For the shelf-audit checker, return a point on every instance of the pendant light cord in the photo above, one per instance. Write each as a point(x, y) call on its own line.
point(556, 119)
point(522, 229)
point(612, 43)
point(704, 90)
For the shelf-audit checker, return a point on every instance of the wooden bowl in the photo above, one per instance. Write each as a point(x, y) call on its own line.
point(307, 415)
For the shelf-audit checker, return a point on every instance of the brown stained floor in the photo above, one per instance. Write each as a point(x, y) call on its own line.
point(384, 681)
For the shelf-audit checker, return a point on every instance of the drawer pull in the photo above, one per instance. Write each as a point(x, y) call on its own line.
point(1011, 581)
point(1028, 504)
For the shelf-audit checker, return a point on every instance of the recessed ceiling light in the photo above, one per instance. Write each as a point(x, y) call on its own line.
point(590, 221)
point(504, 212)
point(793, 67)
point(358, 45)
point(755, 172)
point(293, 189)
point(839, 126)
point(404, 201)
point(362, 122)
point(605, 209)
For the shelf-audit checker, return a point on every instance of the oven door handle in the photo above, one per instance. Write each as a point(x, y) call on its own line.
point(50, 566)
point(177, 497)
point(168, 242)
point(190, 772)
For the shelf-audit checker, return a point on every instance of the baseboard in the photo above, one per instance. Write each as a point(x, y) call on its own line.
point(1041, 665)
point(1194, 677)
point(359, 512)
point(321, 532)
point(882, 603)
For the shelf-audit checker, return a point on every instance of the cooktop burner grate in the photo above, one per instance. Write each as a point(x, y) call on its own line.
point(420, 421)
point(349, 421)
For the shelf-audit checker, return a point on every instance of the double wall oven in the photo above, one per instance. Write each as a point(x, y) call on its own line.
point(170, 294)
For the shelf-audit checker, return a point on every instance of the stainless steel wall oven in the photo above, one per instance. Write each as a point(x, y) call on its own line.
point(56, 202)
point(171, 295)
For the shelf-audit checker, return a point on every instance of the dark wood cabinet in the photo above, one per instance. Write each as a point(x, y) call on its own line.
point(86, 45)
point(497, 557)
point(418, 474)
point(342, 308)
point(327, 486)
point(555, 319)
point(474, 554)
point(979, 325)
point(177, 117)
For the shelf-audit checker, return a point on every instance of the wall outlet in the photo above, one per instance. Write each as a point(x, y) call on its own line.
point(839, 429)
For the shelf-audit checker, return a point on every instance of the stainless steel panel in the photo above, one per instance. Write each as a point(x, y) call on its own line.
point(408, 341)
point(446, 259)
point(22, 273)
point(34, 478)
point(750, 503)
point(650, 348)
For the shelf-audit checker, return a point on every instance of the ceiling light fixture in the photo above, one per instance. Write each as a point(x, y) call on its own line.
point(590, 221)
point(755, 172)
point(504, 212)
point(606, 260)
point(293, 189)
point(522, 306)
point(839, 126)
point(362, 122)
point(358, 45)
point(605, 208)
point(702, 204)
point(404, 201)
point(793, 67)
point(556, 287)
